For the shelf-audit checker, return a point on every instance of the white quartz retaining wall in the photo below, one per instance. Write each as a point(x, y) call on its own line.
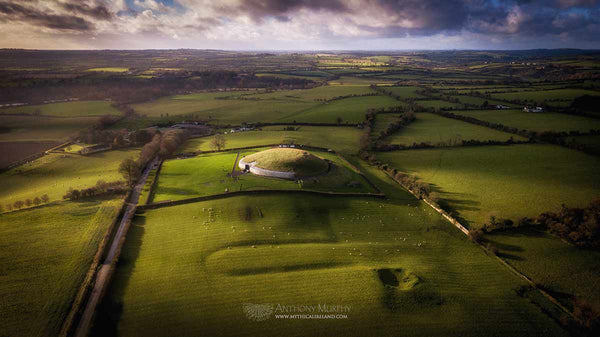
point(267, 173)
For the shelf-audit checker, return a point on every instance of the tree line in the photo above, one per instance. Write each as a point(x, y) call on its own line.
point(43, 199)
point(163, 144)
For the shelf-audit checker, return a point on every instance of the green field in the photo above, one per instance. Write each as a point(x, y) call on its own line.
point(208, 174)
point(405, 92)
point(256, 107)
point(45, 255)
point(65, 109)
point(187, 269)
point(439, 104)
point(109, 70)
point(546, 95)
point(341, 139)
point(551, 262)
point(442, 131)
point(504, 181)
point(36, 128)
point(53, 174)
point(539, 122)
point(350, 110)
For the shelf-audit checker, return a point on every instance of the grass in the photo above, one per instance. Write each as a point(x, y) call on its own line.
point(558, 266)
point(66, 109)
point(437, 130)
point(232, 111)
point(534, 121)
point(208, 174)
point(405, 92)
point(505, 181)
point(37, 128)
point(109, 70)
point(53, 174)
point(301, 162)
point(350, 110)
point(438, 104)
point(45, 256)
point(545, 95)
point(187, 269)
point(342, 139)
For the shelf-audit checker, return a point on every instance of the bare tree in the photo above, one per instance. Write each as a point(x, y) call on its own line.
point(218, 142)
point(130, 169)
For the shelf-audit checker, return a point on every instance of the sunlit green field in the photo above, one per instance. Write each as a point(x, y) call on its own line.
point(65, 109)
point(504, 181)
point(349, 110)
point(109, 70)
point(342, 139)
point(535, 121)
point(45, 255)
point(185, 270)
point(55, 173)
point(255, 107)
point(34, 128)
point(441, 131)
point(209, 174)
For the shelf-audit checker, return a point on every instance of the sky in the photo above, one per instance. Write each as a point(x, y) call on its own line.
point(300, 24)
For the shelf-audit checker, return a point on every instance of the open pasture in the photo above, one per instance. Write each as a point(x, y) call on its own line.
point(539, 122)
point(341, 139)
point(38, 128)
point(65, 109)
point(544, 95)
point(505, 181)
point(46, 253)
point(560, 267)
point(208, 174)
point(395, 263)
point(405, 92)
point(54, 173)
point(109, 70)
point(439, 104)
point(442, 131)
point(351, 110)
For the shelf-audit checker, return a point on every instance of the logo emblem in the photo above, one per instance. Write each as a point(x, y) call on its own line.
point(258, 312)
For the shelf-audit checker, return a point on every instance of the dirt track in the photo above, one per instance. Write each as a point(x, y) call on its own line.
point(103, 274)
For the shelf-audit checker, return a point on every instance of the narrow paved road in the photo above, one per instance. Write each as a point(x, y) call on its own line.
point(101, 281)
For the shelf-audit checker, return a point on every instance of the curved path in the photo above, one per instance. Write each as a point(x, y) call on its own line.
point(102, 276)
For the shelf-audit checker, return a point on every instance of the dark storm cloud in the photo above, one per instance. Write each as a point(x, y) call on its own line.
point(278, 8)
point(98, 12)
point(14, 12)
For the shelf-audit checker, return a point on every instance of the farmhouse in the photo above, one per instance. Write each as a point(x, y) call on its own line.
point(532, 109)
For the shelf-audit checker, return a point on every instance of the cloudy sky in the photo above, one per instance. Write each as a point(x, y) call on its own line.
point(299, 24)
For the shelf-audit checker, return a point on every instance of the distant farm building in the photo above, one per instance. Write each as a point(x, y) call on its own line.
point(532, 109)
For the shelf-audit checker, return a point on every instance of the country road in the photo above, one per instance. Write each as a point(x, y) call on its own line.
point(101, 281)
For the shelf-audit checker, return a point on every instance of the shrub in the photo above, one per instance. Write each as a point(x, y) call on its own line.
point(37, 201)
point(45, 198)
point(476, 235)
point(18, 204)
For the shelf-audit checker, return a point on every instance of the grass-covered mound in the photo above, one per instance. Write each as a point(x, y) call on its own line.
point(302, 163)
